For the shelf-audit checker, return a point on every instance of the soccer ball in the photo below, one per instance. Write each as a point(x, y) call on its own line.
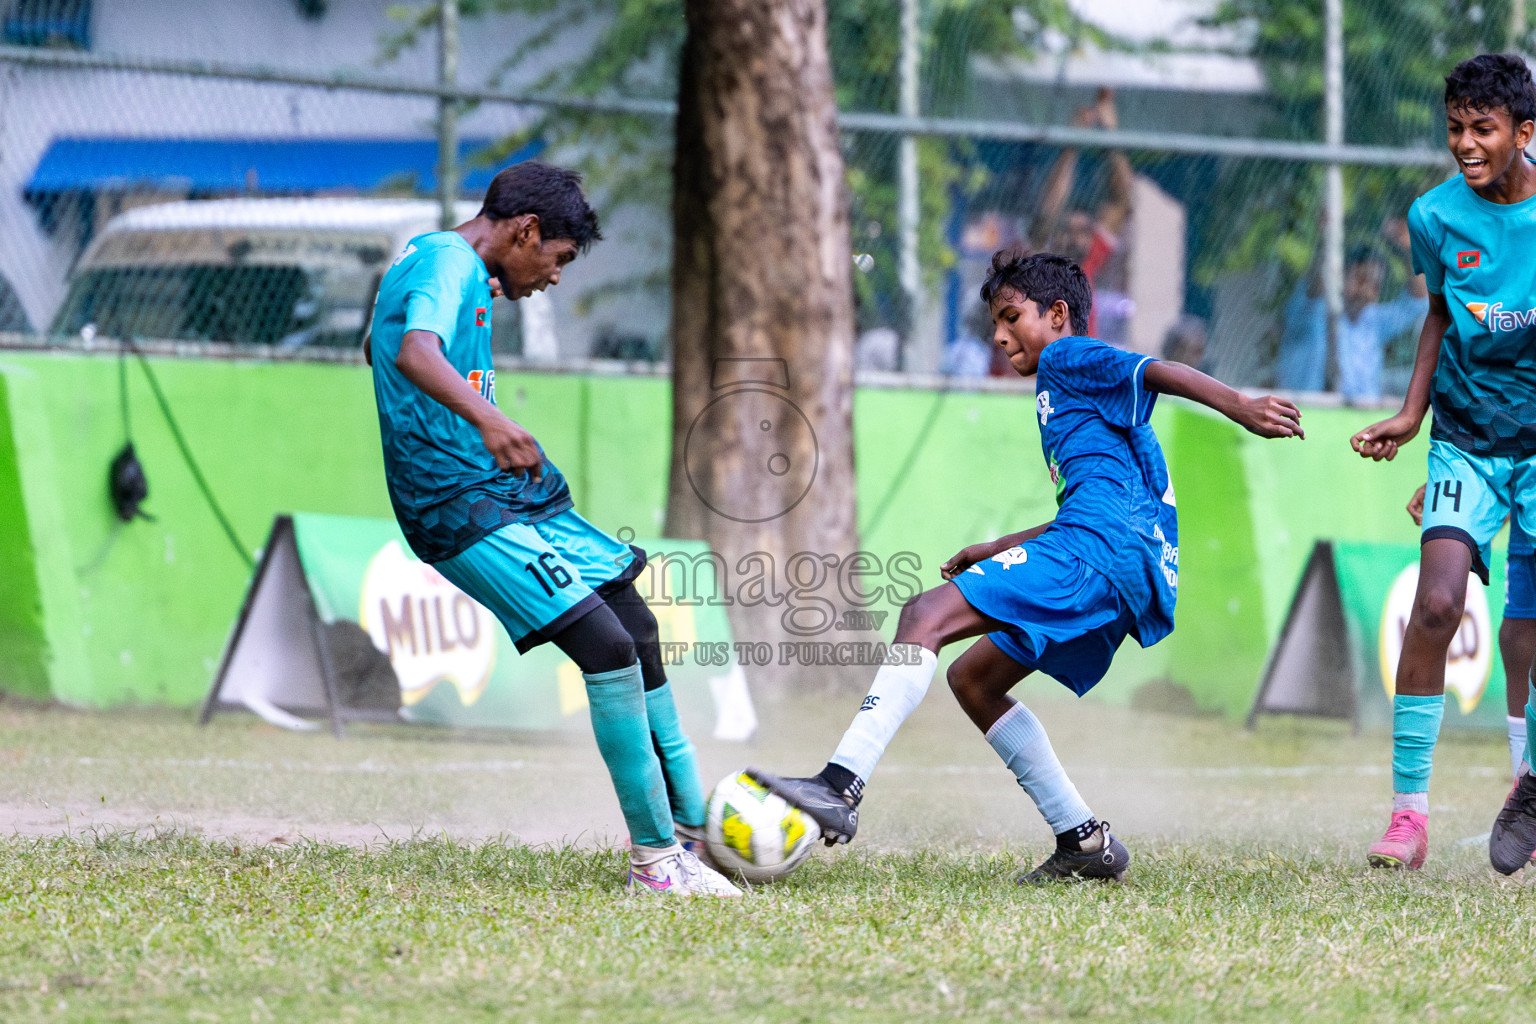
point(754, 834)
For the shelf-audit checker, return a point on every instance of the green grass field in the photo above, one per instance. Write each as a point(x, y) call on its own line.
point(159, 871)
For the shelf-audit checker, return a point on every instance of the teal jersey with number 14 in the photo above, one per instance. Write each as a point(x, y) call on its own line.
point(1481, 257)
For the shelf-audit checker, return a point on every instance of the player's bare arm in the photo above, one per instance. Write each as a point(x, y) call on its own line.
point(1380, 441)
point(973, 553)
point(421, 361)
point(1264, 415)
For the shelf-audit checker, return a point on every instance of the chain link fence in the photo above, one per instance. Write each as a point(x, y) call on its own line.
point(1234, 173)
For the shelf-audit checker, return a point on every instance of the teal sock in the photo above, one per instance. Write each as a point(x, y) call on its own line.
point(1530, 719)
point(616, 701)
point(1415, 727)
point(679, 767)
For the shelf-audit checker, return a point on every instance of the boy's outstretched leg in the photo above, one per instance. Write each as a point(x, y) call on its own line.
point(831, 798)
point(1419, 703)
point(981, 679)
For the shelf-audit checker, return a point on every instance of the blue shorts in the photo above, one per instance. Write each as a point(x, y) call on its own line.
point(538, 578)
point(1065, 618)
point(1468, 497)
point(1520, 583)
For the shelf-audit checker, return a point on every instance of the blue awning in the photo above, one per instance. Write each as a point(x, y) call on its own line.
point(257, 166)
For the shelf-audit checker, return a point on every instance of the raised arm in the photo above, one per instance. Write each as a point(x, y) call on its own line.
point(422, 362)
point(1053, 199)
point(1116, 208)
point(1265, 415)
point(1380, 441)
point(1058, 183)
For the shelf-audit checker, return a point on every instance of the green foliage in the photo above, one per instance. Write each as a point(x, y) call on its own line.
point(631, 48)
point(1396, 54)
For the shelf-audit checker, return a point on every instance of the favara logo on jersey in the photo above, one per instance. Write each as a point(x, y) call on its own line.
point(484, 381)
point(1496, 318)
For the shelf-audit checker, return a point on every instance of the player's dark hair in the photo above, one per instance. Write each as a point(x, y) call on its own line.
point(551, 193)
point(1043, 278)
point(1490, 81)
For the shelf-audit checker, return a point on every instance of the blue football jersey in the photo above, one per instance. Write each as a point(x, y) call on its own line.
point(445, 486)
point(1115, 507)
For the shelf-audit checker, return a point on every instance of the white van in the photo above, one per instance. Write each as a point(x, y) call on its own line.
point(282, 272)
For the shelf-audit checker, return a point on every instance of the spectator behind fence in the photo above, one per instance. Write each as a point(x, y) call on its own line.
point(970, 354)
point(879, 349)
point(1364, 329)
point(1092, 239)
point(1185, 342)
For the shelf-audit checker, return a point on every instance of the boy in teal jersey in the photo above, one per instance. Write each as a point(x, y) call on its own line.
point(476, 497)
point(1474, 240)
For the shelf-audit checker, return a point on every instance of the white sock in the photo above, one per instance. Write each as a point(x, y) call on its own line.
point(896, 692)
point(1020, 740)
point(1516, 742)
point(1410, 802)
point(642, 856)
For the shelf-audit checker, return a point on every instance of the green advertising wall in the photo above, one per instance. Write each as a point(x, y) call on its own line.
point(99, 614)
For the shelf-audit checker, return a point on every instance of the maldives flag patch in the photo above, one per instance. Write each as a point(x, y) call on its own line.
point(480, 310)
point(1468, 258)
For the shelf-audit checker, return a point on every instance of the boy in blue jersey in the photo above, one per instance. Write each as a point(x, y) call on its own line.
point(1061, 597)
point(1474, 240)
point(477, 498)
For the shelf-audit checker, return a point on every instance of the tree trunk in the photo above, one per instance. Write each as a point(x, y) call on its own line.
point(762, 321)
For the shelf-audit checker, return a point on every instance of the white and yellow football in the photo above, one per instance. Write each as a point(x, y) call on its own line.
point(754, 834)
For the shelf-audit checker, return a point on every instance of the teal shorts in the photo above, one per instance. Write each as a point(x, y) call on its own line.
point(1468, 497)
point(538, 578)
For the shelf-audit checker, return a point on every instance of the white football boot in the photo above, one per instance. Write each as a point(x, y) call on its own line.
point(693, 840)
point(675, 871)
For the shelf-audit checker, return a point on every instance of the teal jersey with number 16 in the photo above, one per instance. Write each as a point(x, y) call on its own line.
point(446, 488)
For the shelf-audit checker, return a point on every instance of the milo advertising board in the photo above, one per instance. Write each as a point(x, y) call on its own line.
point(1338, 651)
point(338, 598)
